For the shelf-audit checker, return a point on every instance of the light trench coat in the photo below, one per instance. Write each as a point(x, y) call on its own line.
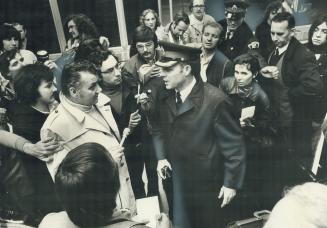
point(73, 127)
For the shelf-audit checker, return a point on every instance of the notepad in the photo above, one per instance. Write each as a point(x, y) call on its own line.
point(148, 208)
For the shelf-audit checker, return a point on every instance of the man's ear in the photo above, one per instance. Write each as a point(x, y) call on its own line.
point(72, 92)
point(187, 69)
point(293, 30)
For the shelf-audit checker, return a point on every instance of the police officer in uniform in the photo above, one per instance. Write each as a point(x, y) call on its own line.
point(236, 37)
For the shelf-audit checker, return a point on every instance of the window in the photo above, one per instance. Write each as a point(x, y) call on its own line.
point(102, 13)
point(37, 18)
point(133, 10)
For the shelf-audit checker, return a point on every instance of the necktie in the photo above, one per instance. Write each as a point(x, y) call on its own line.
point(276, 52)
point(229, 35)
point(274, 58)
point(178, 99)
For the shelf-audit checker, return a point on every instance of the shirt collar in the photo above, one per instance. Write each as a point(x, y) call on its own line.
point(283, 49)
point(187, 90)
point(194, 20)
point(79, 111)
point(206, 58)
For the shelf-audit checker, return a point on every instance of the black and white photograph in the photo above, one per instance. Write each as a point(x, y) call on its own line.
point(163, 113)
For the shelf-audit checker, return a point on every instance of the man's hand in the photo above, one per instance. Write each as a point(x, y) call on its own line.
point(270, 72)
point(43, 150)
point(162, 221)
point(104, 41)
point(50, 64)
point(117, 152)
point(134, 119)
point(228, 194)
point(147, 71)
point(253, 45)
point(143, 99)
point(161, 164)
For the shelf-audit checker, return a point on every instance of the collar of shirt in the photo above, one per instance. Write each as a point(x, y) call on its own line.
point(282, 49)
point(229, 34)
point(172, 40)
point(317, 56)
point(205, 60)
point(78, 110)
point(187, 90)
point(194, 20)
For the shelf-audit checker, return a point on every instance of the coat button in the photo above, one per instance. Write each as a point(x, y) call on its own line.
point(122, 164)
point(127, 178)
point(56, 111)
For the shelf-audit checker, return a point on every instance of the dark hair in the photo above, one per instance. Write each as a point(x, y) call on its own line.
point(250, 60)
point(285, 16)
point(213, 24)
point(145, 12)
point(5, 59)
point(93, 51)
point(275, 5)
point(7, 32)
point(24, 28)
point(71, 74)
point(28, 80)
point(181, 16)
point(87, 183)
point(143, 33)
point(84, 25)
point(322, 48)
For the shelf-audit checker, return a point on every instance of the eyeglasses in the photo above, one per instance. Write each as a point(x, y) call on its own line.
point(146, 45)
point(199, 6)
point(118, 67)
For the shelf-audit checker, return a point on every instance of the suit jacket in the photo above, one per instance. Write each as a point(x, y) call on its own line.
point(83, 129)
point(238, 44)
point(201, 132)
point(205, 147)
point(218, 68)
point(300, 74)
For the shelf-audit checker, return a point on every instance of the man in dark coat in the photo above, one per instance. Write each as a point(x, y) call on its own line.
point(293, 86)
point(236, 35)
point(214, 64)
point(138, 74)
point(197, 138)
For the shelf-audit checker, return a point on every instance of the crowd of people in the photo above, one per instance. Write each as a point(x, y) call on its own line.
point(223, 116)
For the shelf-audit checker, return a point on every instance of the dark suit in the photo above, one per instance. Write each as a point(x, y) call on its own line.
point(205, 147)
point(301, 77)
point(218, 68)
point(238, 44)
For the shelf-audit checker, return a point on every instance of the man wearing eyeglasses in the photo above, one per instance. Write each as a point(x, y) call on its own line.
point(140, 68)
point(236, 37)
point(198, 18)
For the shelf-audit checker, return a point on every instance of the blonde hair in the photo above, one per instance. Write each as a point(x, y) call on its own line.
point(145, 12)
point(307, 205)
